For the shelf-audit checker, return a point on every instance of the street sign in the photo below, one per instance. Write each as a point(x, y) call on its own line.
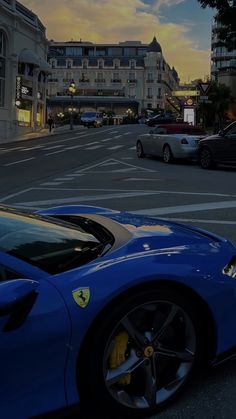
point(204, 101)
point(204, 87)
point(189, 102)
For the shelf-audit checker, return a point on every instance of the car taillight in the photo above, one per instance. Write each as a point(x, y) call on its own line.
point(184, 141)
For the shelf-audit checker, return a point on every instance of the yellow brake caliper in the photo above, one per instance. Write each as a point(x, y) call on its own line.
point(117, 356)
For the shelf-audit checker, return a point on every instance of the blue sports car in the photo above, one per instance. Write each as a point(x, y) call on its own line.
point(109, 309)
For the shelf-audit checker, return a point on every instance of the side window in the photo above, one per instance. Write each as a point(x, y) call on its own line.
point(6, 275)
point(232, 132)
point(160, 130)
point(2, 68)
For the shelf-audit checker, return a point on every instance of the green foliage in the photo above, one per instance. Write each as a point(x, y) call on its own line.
point(226, 17)
point(216, 112)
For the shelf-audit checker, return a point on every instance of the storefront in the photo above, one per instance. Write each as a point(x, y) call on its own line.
point(23, 70)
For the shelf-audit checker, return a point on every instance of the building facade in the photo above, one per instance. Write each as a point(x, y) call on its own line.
point(23, 70)
point(129, 71)
point(223, 62)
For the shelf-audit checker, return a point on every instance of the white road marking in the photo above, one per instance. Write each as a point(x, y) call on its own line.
point(189, 208)
point(63, 179)
point(19, 161)
point(115, 147)
point(55, 152)
point(74, 147)
point(86, 198)
point(105, 162)
point(93, 147)
point(193, 220)
point(31, 148)
point(16, 194)
point(134, 179)
point(51, 183)
point(106, 139)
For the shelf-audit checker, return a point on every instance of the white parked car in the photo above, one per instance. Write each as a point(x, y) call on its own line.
point(170, 141)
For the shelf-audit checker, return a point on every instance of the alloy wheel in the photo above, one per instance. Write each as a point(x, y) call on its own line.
point(149, 355)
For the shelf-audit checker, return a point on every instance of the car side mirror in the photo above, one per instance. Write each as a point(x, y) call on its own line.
point(14, 293)
point(222, 133)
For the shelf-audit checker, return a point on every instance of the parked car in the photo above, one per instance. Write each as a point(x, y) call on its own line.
point(160, 119)
point(91, 119)
point(170, 141)
point(219, 148)
point(108, 309)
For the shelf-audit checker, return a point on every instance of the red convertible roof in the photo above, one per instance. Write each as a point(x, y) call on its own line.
point(182, 128)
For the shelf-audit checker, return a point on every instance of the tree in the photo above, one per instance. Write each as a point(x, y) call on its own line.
point(216, 113)
point(226, 18)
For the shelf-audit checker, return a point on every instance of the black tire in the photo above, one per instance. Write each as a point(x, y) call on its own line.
point(206, 159)
point(161, 331)
point(167, 154)
point(139, 150)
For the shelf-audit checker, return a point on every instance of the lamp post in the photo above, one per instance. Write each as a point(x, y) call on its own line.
point(72, 90)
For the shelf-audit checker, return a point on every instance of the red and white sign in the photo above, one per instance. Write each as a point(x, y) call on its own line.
point(204, 87)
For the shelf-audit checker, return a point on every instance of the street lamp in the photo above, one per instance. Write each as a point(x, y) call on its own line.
point(72, 90)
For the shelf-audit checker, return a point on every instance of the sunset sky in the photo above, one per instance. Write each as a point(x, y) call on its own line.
point(182, 28)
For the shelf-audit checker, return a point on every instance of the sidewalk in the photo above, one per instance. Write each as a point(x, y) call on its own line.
point(42, 133)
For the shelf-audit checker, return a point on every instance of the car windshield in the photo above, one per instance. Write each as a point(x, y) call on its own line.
point(50, 245)
point(89, 114)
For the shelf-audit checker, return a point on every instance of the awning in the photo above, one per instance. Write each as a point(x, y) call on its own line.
point(44, 66)
point(29, 57)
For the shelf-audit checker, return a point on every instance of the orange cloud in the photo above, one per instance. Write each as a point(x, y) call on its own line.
point(106, 21)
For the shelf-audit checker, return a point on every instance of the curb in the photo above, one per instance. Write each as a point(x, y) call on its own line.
point(37, 135)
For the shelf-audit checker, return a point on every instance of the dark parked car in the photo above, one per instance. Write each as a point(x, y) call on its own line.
point(160, 119)
point(219, 148)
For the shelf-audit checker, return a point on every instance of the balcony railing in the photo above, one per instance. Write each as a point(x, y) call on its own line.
point(131, 80)
point(100, 81)
point(115, 80)
point(149, 96)
point(84, 80)
point(149, 81)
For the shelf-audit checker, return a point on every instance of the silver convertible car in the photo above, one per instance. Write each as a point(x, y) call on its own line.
point(170, 141)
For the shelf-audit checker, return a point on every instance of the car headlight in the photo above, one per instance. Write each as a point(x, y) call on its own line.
point(230, 268)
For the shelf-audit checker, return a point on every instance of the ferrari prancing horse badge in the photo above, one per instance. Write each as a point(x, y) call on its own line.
point(81, 296)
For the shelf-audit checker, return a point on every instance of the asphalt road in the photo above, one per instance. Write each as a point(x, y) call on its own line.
point(100, 167)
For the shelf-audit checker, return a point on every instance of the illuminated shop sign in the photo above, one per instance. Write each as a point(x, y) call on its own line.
point(18, 87)
point(25, 90)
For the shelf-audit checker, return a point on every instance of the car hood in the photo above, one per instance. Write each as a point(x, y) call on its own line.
point(209, 138)
point(140, 229)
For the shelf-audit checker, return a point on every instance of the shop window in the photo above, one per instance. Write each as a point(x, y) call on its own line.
point(2, 67)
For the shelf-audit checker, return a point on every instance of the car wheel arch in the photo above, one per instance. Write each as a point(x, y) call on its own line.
point(139, 146)
point(206, 317)
point(208, 148)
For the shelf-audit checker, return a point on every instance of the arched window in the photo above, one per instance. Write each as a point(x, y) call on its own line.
point(2, 67)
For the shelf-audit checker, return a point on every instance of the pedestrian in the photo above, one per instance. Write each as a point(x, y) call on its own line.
point(50, 122)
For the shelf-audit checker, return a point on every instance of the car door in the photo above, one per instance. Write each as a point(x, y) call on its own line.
point(231, 139)
point(156, 141)
point(34, 340)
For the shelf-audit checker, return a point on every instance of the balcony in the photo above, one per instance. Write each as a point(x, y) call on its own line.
point(84, 80)
point(149, 96)
point(131, 80)
point(149, 81)
point(115, 80)
point(100, 81)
